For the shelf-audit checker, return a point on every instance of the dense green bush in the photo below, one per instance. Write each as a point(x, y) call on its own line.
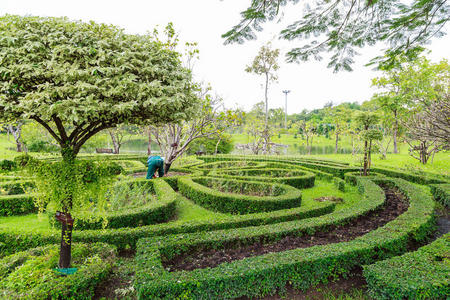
point(208, 145)
point(7, 165)
point(16, 204)
point(15, 187)
point(423, 274)
point(23, 160)
point(268, 274)
point(203, 191)
point(31, 274)
point(41, 146)
point(132, 212)
point(441, 193)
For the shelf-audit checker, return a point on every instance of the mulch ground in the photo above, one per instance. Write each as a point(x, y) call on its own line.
point(396, 204)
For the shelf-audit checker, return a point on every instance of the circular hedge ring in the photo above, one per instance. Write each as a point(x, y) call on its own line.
point(297, 178)
point(159, 211)
point(226, 195)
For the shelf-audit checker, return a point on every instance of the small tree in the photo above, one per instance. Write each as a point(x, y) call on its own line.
point(77, 79)
point(308, 130)
point(117, 135)
point(16, 131)
point(265, 63)
point(366, 120)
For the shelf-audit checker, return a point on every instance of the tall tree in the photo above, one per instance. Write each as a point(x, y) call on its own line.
point(340, 27)
point(16, 131)
point(77, 79)
point(265, 63)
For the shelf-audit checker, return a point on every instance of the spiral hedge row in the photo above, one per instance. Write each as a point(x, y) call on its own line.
point(273, 211)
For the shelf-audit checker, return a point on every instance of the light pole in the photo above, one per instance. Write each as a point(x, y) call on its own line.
point(286, 92)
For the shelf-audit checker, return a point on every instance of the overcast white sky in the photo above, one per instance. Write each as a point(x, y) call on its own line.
point(312, 84)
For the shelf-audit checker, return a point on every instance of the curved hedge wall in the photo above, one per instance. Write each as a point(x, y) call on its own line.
point(267, 274)
point(154, 212)
point(300, 179)
point(423, 274)
point(194, 189)
point(31, 275)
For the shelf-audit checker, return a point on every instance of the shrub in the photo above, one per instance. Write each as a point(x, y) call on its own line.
point(208, 145)
point(441, 193)
point(16, 204)
point(31, 274)
point(300, 179)
point(266, 274)
point(194, 188)
point(23, 160)
point(422, 274)
point(127, 214)
point(7, 165)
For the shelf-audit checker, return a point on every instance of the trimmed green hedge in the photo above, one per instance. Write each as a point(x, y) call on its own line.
point(334, 168)
point(11, 205)
point(297, 178)
point(194, 188)
point(154, 212)
point(12, 241)
point(31, 274)
point(351, 177)
point(441, 193)
point(15, 187)
point(423, 274)
point(268, 274)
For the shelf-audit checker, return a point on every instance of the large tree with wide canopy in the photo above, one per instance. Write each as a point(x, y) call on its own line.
point(76, 79)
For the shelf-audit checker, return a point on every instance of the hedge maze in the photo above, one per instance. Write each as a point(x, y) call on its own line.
point(271, 222)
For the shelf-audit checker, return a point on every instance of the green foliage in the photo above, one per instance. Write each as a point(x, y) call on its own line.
point(267, 274)
point(422, 274)
point(127, 204)
point(7, 165)
point(208, 145)
point(23, 160)
point(297, 178)
point(342, 27)
point(441, 193)
point(203, 191)
point(16, 204)
point(31, 274)
point(71, 186)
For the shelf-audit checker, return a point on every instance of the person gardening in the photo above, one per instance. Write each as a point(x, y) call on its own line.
point(155, 163)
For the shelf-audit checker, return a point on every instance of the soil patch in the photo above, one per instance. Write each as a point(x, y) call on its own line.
point(396, 204)
point(170, 174)
point(330, 198)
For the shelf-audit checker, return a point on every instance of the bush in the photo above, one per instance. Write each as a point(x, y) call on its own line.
point(42, 146)
point(16, 204)
point(441, 193)
point(300, 179)
point(138, 214)
point(197, 190)
point(31, 274)
point(23, 160)
point(208, 145)
point(14, 240)
point(267, 274)
point(422, 274)
point(7, 165)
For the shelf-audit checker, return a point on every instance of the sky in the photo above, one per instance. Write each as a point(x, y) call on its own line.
point(312, 84)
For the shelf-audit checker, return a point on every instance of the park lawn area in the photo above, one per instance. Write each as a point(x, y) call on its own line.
point(187, 210)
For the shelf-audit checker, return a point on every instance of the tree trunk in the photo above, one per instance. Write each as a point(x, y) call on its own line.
point(65, 251)
point(395, 135)
point(369, 158)
point(366, 160)
point(167, 167)
point(267, 101)
point(337, 140)
point(115, 142)
point(149, 146)
point(217, 145)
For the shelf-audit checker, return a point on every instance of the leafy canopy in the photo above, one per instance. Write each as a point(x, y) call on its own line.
point(339, 27)
point(77, 79)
